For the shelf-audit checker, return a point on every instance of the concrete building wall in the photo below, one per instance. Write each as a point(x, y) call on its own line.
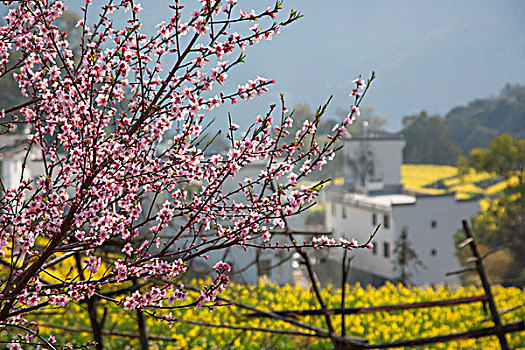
point(358, 223)
point(431, 223)
point(386, 155)
point(14, 154)
point(11, 170)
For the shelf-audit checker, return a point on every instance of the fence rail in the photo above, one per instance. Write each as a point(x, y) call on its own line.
point(499, 329)
point(371, 309)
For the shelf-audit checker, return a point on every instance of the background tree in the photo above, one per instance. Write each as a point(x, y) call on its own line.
point(406, 258)
point(505, 157)
point(427, 140)
point(436, 140)
point(369, 121)
point(463, 167)
point(503, 223)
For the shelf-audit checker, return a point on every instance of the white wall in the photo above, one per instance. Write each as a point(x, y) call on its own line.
point(12, 148)
point(11, 169)
point(445, 211)
point(358, 224)
point(448, 214)
point(387, 158)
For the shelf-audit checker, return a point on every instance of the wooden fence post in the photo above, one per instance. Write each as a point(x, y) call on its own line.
point(486, 287)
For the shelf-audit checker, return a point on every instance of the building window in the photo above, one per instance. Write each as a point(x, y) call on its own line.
point(344, 212)
point(433, 252)
point(265, 267)
point(434, 224)
point(386, 249)
point(374, 219)
point(374, 249)
point(334, 209)
point(386, 221)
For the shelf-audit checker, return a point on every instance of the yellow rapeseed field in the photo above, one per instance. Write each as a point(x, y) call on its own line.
point(424, 178)
point(376, 327)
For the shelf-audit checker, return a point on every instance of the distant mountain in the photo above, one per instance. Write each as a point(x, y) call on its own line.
point(475, 125)
point(438, 140)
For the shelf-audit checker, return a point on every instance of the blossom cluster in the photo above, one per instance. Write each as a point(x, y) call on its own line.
point(119, 131)
point(325, 241)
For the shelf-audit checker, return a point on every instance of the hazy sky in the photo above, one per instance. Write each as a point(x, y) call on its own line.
point(428, 55)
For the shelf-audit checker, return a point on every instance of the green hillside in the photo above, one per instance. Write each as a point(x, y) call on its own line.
point(476, 124)
point(432, 139)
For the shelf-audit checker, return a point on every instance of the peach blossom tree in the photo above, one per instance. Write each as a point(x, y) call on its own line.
point(99, 115)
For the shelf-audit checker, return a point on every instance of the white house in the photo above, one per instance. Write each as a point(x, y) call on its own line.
point(373, 194)
point(15, 163)
point(12, 151)
point(247, 265)
point(372, 162)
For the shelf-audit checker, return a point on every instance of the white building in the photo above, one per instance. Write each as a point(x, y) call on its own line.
point(15, 163)
point(247, 265)
point(373, 194)
point(251, 263)
point(372, 162)
point(12, 151)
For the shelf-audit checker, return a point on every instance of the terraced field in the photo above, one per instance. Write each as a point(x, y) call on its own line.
point(437, 179)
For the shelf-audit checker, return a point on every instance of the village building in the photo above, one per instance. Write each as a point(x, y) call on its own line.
point(373, 194)
point(248, 264)
point(15, 162)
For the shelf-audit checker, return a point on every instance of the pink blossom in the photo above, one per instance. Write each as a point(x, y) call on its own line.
point(355, 109)
point(292, 179)
point(125, 167)
point(222, 266)
point(137, 8)
point(127, 249)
